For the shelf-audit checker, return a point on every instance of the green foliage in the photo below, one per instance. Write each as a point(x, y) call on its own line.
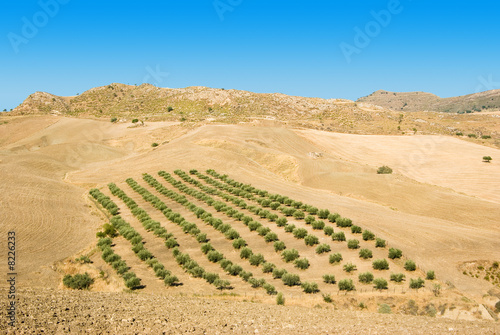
point(214, 256)
point(299, 232)
point(318, 225)
point(340, 236)
point(346, 285)
point(78, 281)
point(380, 264)
point(263, 231)
point(170, 280)
point(298, 215)
point(302, 263)
point(472, 135)
point(279, 246)
point(256, 259)
point(328, 230)
point(417, 283)
point(365, 253)
point(384, 170)
point(322, 248)
point(410, 265)
point(397, 277)
point(368, 235)
point(289, 228)
point(133, 282)
point(246, 252)
point(395, 253)
point(290, 279)
point(327, 298)
point(384, 309)
point(278, 273)
point(487, 159)
point(430, 275)
point(335, 258)
point(280, 300)
point(239, 243)
point(356, 229)
point(268, 267)
point(114, 119)
point(84, 259)
point(353, 244)
point(232, 234)
point(329, 279)
point(349, 267)
point(333, 217)
point(343, 222)
point(281, 222)
point(290, 255)
point(135, 120)
point(311, 240)
point(154, 144)
point(365, 277)
point(379, 243)
point(270, 289)
point(221, 284)
point(309, 287)
point(271, 237)
point(380, 283)
point(323, 213)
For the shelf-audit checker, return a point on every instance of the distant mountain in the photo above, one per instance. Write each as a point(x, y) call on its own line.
point(421, 101)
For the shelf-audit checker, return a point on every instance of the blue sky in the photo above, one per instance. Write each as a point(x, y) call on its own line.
point(328, 49)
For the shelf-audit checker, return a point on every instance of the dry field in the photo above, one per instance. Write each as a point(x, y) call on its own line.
point(440, 207)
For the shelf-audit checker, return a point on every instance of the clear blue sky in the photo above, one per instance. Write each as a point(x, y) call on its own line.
point(294, 47)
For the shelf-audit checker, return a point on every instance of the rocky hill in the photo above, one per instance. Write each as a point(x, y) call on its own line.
point(421, 101)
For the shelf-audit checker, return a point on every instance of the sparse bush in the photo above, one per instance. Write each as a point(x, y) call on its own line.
point(384, 309)
point(280, 300)
point(214, 256)
point(397, 277)
point(328, 230)
point(340, 236)
point(356, 229)
point(290, 255)
point(395, 253)
point(333, 217)
point(268, 267)
point(430, 275)
point(281, 222)
point(472, 135)
point(114, 119)
point(487, 159)
point(133, 282)
point(232, 234)
point(311, 240)
point(365, 277)
point(271, 237)
point(417, 283)
point(154, 144)
point(327, 298)
point(497, 306)
point(256, 259)
point(290, 279)
point(335, 258)
point(365, 253)
point(221, 284)
point(323, 213)
point(368, 235)
point(245, 275)
point(309, 287)
point(380, 283)
point(353, 244)
point(329, 279)
point(171, 243)
point(170, 280)
point(78, 281)
point(299, 232)
point(302, 263)
point(379, 243)
point(380, 264)
point(410, 265)
point(255, 283)
point(322, 248)
point(263, 231)
point(135, 120)
point(298, 215)
point(201, 238)
point(309, 219)
point(289, 228)
point(349, 267)
point(279, 246)
point(278, 273)
point(246, 253)
point(343, 222)
point(346, 285)
point(318, 225)
point(270, 289)
point(144, 254)
point(384, 170)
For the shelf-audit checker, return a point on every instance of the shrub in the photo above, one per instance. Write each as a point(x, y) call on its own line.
point(472, 135)
point(268, 267)
point(416, 283)
point(380, 283)
point(290, 279)
point(365, 277)
point(380, 264)
point(318, 225)
point(144, 254)
point(255, 283)
point(328, 230)
point(132, 282)
point(263, 231)
point(410, 265)
point(343, 222)
point(78, 281)
point(281, 222)
point(327, 298)
point(346, 285)
point(302, 263)
point(395, 253)
point(487, 159)
point(256, 259)
point(232, 234)
point(84, 259)
point(397, 277)
point(349, 267)
point(171, 243)
point(430, 275)
point(353, 244)
point(254, 225)
point(322, 248)
point(201, 238)
point(280, 300)
point(233, 269)
point(289, 228)
point(485, 137)
point(271, 237)
point(239, 243)
point(278, 273)
point(114, 119)
point(323, 213)
point(298, 215)
point(365, 253)
point(335, 258)
point(497, 306)
point(333, 217)
point(384, 309)
point(299, 232)
point(309, 219)
point(384, 170)
point(309, 287)
point(356, 229)
point(221, 284)
point(279, 246)
point(269, 288)
point(329, 279)
point(379, 243)
point(311, 240)
point(170, 280)
point(340, 236)
point(368, 235)
point(245, 275)
point(290, 255)
point(214, 256)
point(154, 144)
point(245, 253)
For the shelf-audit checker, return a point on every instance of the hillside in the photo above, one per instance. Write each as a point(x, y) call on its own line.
point(421, 101)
